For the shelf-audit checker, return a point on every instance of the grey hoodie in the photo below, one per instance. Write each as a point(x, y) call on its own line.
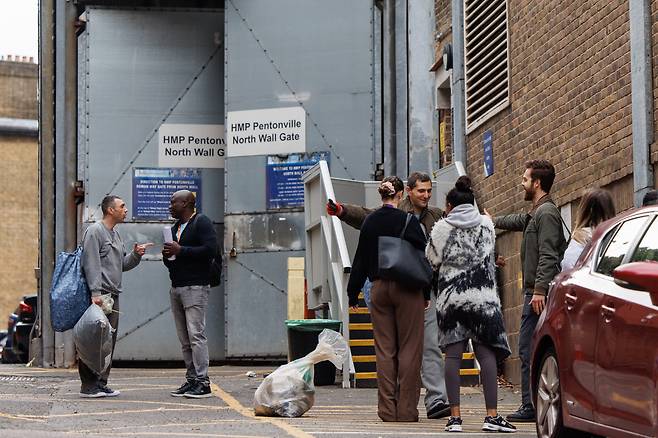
point(464, 216)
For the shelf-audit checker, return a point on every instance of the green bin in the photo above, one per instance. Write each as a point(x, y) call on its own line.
point(303, 338)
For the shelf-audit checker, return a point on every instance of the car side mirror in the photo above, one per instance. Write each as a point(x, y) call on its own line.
point(639, 276)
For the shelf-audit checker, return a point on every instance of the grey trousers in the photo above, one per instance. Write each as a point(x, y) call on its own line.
point(529, 321)
point(89, 379)
point(188, 305)
point(433, 369)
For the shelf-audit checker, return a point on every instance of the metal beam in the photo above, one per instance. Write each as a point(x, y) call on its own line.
point(458, 84)
point(642, 97)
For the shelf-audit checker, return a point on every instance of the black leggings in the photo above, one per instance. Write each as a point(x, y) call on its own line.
point(488, 372)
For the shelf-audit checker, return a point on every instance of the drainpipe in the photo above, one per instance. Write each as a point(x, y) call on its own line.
point(642, 97)
point(66, 110)
point(45, 332)
point(390, 94)
point(458, 84)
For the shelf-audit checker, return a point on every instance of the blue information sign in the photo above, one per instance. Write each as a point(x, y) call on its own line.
point(285, 188)
point(153, 187)
point(488, 154)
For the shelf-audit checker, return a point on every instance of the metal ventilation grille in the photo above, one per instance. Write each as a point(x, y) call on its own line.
point(486, 53)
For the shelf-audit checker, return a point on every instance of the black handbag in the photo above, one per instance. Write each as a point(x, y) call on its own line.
point(400, 261)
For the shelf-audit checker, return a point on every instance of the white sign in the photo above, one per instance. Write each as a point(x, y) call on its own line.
point(266, 131)
point(191, 146)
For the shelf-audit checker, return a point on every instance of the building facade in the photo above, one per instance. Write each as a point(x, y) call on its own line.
point(569, 99)
point(19, 217)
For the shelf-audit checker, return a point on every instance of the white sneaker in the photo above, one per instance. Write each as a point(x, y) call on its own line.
point(497, 424)
point(454, 424)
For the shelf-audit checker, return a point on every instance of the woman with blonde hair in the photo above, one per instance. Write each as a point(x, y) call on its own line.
point(397, 309)
point(596, 206)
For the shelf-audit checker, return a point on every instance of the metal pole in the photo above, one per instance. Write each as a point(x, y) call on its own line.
point(390, 94)
point(641, 96)
point(458, 84)
point(46, 177)
point(65, 149)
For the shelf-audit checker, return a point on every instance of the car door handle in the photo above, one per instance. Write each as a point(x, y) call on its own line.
point(570, 300)
point(607, 312)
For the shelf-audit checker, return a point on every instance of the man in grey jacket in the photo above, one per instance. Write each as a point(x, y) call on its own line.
point(542, 249)
point(103, 261)
point(419, 193)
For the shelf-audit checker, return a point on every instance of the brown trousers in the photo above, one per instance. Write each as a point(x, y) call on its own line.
point(398, 323)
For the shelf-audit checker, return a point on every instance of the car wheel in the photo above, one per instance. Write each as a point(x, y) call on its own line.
point(549, 401)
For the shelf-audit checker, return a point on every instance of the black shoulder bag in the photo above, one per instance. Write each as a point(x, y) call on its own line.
point(400, 261)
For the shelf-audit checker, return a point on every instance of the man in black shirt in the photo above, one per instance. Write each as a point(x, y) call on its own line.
point(192, 251)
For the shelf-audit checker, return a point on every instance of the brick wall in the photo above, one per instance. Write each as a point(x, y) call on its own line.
point(19, 217)
point(18, 90)
point(19, 221)
point(570, 102)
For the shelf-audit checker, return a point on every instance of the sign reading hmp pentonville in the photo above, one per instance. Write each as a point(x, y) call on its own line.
point(266, 131)
point(190, 146)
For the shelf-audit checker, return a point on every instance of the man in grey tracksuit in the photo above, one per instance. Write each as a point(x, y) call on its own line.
point(103, 262)
point(419, 192)
point(542, 249)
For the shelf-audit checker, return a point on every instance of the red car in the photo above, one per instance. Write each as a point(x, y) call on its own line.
point(595, 348)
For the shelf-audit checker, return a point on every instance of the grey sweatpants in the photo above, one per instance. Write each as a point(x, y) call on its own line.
point(433, 369)
point(188, 305)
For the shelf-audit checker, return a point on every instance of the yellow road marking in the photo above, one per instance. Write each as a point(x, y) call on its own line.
point(362, 342)
point(108, 400)
point(153, 426)
point(234, 404)
point(361, 326)
point(20, 417)
point(370, 358)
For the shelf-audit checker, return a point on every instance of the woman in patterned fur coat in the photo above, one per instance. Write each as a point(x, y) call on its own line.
point(461, 249)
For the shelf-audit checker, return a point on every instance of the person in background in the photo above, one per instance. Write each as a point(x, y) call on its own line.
point(104, 260)
point(650, 198)
point(461, 249)
point(397, 310)
point(542, 249)
point(419, 193)
point(595, 206)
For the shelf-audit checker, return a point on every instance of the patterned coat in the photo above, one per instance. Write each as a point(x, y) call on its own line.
point(468, 306)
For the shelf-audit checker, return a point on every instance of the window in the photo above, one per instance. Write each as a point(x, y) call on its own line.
point(648, 247)
point(614, 254)
point(486, 59)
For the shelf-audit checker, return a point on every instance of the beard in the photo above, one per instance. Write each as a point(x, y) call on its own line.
point(528, 195)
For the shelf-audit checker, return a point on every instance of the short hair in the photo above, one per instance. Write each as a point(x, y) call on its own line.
point(415, 177)
point(108, 202)
point(542, 170)
point(650, 198)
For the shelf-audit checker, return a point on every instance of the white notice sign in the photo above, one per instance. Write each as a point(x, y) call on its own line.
point(182, 145)
point(266, 131)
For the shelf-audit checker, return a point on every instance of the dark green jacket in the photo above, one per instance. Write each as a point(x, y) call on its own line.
point(354, 215)
point(543, 243)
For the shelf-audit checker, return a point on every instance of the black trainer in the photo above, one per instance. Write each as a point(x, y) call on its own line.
point(439, 410)
point(182, 389)
point(95, 392)
point(497, 424)
point(454, 424)
point(525, 414)
point(109, 392)
point(199, 390)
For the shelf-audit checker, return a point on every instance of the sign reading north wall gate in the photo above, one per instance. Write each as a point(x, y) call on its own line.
point(266, 131)
point(189, 146)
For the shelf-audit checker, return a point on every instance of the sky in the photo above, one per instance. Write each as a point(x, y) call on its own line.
point(19, 28)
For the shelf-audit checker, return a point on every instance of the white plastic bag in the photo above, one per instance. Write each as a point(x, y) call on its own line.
point(289, 391)
point(92, 335)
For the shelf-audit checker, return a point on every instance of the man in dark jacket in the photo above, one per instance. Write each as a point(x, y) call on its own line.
point(419, 193)
point(188, 258)
point(542, 249)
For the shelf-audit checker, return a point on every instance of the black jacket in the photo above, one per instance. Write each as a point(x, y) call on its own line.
point(385, 221)
point(198, 247)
